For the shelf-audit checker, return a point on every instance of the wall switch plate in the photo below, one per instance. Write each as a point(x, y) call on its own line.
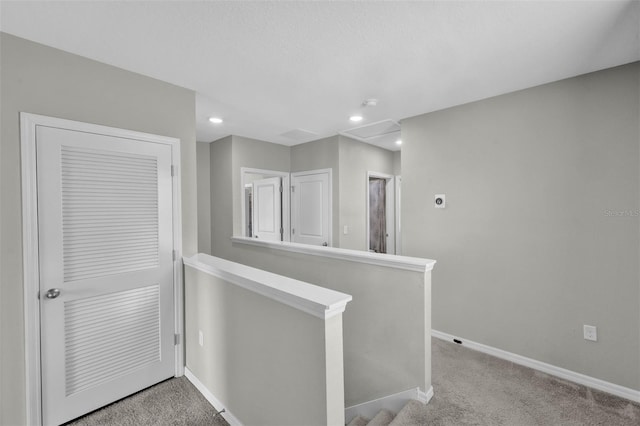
point(440, 201)
point(200, 338)
point(590, 333)
point(346, 229)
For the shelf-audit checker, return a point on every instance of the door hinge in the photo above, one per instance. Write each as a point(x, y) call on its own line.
point(293, 230)
point(173, 170)
point(293, 188)
point(281, 189)
point(174, 254)
point(176, 339)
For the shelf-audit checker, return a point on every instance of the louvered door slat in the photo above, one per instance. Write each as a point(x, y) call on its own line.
point(105, 316)
point(87, 173)
point(106, 246)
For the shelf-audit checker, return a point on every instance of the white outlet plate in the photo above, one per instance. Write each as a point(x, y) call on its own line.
point(200, 338)
point(590, 333)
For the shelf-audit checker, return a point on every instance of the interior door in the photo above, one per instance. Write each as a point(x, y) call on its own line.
point(377, 215)
point(106, 269)
point(267, 209)
point(311, 208)
point(381, 213)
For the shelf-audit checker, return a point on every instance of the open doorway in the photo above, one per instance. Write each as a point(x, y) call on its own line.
point(381, 213)
point(265, 206)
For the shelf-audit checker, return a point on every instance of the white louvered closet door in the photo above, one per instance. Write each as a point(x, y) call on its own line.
point(105, 238)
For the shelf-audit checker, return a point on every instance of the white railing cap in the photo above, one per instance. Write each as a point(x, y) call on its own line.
point(416, 264)
point(312, 299)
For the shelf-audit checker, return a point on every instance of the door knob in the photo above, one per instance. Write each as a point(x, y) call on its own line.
point(325, 244)
point(52, 293)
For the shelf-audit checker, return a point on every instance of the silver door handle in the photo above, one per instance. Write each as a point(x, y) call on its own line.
point(52, 293)
point(325, 244)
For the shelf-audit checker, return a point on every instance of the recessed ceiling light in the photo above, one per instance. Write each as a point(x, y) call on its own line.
point(355, 118)
point(399, 142)
point(215, 120)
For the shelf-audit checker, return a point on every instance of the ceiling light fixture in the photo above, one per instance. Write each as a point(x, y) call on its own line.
point(355, 118)
point(399, 142)
point(215, 120)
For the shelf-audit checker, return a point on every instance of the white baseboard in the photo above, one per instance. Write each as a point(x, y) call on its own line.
point(393, 403)
point(582, 379)
point(425, 397)
point(228, 416)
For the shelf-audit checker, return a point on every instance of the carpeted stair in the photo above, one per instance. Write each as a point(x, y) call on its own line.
point(386, 418)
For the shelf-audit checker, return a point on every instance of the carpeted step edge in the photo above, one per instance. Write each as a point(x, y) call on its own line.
point(359, 421)
point(383, 418)
point(409, 414)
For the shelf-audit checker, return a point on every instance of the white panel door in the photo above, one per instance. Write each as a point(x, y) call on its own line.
point(311, 208)
point(106, 269)
point(267, 209)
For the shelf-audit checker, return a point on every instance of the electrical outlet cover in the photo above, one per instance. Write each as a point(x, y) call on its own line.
point(590, 333)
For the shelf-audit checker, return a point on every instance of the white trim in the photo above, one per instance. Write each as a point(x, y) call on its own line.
point(215, 402)
point(178, 288)
point(330, 191)
point(31, 271)
point(390, 189)
point(312, 299)
point(393, 403)
point(28, 123)
point(388, 260)
point(582, 379)
point(398, 215)
point(286, 198)
point(425, 397)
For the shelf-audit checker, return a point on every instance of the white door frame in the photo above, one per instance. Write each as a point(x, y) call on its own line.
point(390, 188)
point(30, 245)
point(329, 172)
point(286, 221)
point(398, 228)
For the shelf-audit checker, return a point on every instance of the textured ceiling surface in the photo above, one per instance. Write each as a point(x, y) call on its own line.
point(288, 72)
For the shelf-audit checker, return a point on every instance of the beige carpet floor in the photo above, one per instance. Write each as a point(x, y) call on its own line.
point(173, 402)
point(471, 388)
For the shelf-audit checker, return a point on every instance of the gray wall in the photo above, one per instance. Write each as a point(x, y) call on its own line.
point(268, 363)
point(397, 163)
point(221, 195)
point(386, 327)
point(255, 154)
point(227, 156)
point(42, 80)
point(385, 346)
point(322, 154)
point(203, 151)
point(356, 159)
point(526, 250)
point(349, 160)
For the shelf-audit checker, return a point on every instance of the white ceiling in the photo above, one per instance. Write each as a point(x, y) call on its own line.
point(271, 67)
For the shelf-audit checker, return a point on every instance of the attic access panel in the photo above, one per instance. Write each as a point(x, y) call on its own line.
point(372, 131)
